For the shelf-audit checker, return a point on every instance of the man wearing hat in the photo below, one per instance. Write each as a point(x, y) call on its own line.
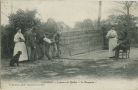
point(33, 44)
point(28, 41)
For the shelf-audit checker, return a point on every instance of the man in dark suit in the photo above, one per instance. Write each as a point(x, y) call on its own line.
point(47, 44)
point(56, 44)
point(28, 42)
point(42, 46)
point(33, 44)
point(123, 44)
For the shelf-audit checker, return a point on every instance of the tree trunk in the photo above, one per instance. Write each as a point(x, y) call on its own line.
point(128, 10)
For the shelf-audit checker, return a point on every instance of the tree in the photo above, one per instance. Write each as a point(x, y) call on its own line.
point(7, 43)
point(49, 27)
point(21, 19)
point(24, 19)
point(62, 26)
point(99, 16)
point(78, 25)
point(85, 24)
point(127, 6)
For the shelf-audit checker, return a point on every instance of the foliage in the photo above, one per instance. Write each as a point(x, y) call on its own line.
point(121, 24)
point(52, 26)
point(21, 19)
point(121, 20)
point(127, 6)
point(62, 27)
point(24, 19)
point(7, 43)
point(85, 24)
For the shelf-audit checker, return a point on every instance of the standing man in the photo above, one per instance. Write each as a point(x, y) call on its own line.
point(112, 37)
point(28, 44)
point(56, 45)
point(47, 43)
point(40, 44)
point(33, 44)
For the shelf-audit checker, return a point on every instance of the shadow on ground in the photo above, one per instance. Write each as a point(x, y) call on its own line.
point(59, 69)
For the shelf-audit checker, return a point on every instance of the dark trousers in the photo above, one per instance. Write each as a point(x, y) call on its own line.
point(118, 48)
point(57, 50)
point(40, 51)
point(29, 52)
point(54, 50)
point(33, 54)
point(47, 53)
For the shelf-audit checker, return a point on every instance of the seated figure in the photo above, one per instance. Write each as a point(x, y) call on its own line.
point(123, 44)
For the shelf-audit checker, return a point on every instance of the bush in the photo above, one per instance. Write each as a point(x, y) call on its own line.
point(21, 19)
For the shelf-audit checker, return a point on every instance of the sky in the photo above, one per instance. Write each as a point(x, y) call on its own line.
point(68, 11)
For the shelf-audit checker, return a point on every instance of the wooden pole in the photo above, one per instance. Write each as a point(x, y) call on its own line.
point(99, 15)
point(0, 44)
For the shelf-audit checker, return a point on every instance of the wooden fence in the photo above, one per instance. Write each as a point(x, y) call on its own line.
point(77, 42)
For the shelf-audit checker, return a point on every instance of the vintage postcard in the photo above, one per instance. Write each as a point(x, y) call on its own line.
point(69, 45)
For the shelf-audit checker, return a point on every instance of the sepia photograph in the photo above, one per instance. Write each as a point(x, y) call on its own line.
point(69, 45)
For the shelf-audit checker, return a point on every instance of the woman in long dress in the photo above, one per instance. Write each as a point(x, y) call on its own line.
point(20, 45)
point(112, 37)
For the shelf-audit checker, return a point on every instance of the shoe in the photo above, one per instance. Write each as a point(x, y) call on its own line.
point(112, 57)
point(50, 59)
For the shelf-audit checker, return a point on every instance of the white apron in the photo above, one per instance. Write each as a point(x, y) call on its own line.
point(20, 46)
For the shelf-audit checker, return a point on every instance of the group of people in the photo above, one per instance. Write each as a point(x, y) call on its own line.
point(117, 43)
point(35, 44)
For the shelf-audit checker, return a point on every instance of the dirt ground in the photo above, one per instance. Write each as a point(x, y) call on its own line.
point(101, 67)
